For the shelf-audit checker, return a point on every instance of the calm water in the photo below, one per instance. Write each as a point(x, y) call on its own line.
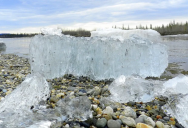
point(177, 49)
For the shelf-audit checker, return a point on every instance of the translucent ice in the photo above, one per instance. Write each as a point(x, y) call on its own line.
point(176, 90)
point(130, 88)
point(55, 56)
point(120, 34)
point(76, 108)
point(15, 109)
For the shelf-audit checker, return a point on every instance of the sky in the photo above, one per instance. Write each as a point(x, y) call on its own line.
point(29, 16)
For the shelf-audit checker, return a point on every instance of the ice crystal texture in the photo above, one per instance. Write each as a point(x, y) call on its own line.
point(55, 56)
point(15, 109)
point(132, 88)
point(176, 90)
point(120, 34)
point(76, 108)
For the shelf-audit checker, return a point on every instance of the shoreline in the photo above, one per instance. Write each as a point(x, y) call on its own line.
point(14, 69)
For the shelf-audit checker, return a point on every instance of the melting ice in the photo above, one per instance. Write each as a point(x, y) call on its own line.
point(54, 56)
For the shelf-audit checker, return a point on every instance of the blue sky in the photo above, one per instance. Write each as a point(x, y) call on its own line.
point(31, 15)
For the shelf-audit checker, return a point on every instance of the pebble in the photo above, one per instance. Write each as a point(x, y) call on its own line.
point(141, 125)
point(101, 123)
point(129, 112)
point(149, 121)
point(113, 124)
point(108, 110)
point(128, 121)
point(159, 124)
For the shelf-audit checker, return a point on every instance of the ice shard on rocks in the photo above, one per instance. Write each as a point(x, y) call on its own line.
point(120, 34)
point(134, 88)
point(15, 109)
point(176, 90)
point(75, 108)
point(54, 56)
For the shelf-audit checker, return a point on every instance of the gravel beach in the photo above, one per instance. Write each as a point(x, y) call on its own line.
point(106, 114)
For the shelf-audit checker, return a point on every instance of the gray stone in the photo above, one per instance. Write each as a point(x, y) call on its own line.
point(166, 118)
point(140, 119)
point(129, 112)
point(101, 123)
point(4, 90)
point(113, 124)
point(128, 121)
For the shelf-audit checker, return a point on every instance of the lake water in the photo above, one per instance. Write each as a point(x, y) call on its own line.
point(177, 49)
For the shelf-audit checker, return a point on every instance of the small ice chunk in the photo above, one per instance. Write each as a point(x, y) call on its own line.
point(120, 34)
point(51, 31)
point(176, 90)
point(76, 108)
point(15, 109)
point(130, 88)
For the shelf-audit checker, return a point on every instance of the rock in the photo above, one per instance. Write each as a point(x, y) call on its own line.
point(128, 121)
point(101, 123)
point(113, 124)
point(166, 126)
point(54, 99)
point(129, 112)
point(60, 95)
point(97, 91)
point(141, 125)
point(108, 110)
point(107, 116)
point(140, 119)
point(4, 90)
point(149, 121)
point(159, 124)
point(166, 118)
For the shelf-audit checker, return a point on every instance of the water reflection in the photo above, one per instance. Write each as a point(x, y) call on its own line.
point(2, 47)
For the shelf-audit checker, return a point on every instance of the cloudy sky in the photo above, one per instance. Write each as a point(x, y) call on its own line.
point(31, 15)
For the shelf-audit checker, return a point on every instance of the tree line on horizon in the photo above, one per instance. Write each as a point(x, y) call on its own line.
point(173, 28)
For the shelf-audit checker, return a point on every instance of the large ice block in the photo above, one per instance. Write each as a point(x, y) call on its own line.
point(54, 56)
point(120, 34)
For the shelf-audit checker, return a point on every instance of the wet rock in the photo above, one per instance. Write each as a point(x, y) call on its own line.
point(108, 110)
point(149, 121)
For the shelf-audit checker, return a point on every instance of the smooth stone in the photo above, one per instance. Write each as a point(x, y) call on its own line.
point(108, 110)
point(83, 91)
point(166, 118)
point(178, 125)
point(159, 124)
point(163, 121)
point(131, 103)
point(71, 88)
point(140, 119)
point(54, 99)
point(128, 121)
point(149, 121)
point(107, 116)
point(101, 123)
point(167, 126)
point(141, 125)
point(4, 90)
point(129, 112)
point(113, 124)
point(97, 91)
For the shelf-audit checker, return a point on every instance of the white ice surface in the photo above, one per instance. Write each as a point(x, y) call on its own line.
point(120, 34)
point(55, 56)
point(15, 109)
point(132, 88)
point(51, 31)
point(176, 90)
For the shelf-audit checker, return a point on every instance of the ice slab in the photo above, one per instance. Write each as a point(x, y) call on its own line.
point(133, 88)
point(15, 109)
point(75, 108)
point(176, 90)
point(55, 56)
point(120, 34)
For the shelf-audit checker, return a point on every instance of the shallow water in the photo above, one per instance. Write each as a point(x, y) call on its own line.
point(177, 49)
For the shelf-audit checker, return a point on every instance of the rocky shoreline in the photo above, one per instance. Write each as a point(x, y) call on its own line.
point(106, 114)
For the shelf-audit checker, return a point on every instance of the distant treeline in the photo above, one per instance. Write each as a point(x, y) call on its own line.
point(170, 29)
point(77, 33)
point(7, 35)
